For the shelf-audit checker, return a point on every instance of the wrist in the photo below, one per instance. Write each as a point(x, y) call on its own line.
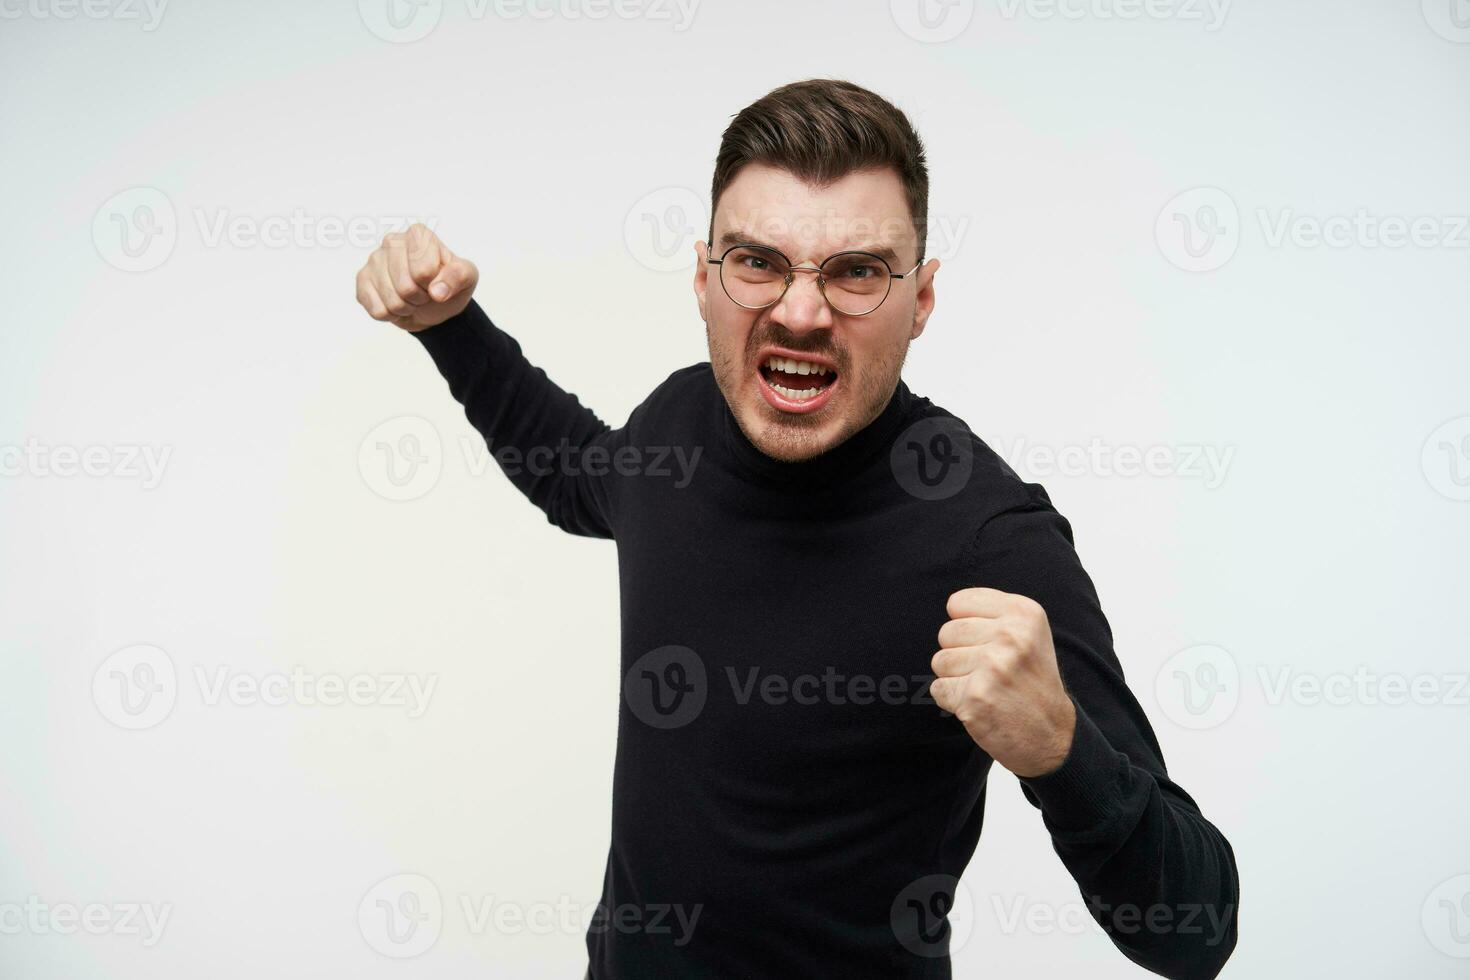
point(1064, 731)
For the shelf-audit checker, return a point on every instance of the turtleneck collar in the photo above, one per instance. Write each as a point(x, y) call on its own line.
point(846, 459)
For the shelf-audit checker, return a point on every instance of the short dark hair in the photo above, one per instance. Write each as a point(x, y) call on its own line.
point(821, 130)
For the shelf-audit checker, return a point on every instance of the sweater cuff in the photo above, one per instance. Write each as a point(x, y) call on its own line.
point(455, 334)
point(1086, 790)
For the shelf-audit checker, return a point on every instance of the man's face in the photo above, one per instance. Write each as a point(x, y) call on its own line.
point(852, 363)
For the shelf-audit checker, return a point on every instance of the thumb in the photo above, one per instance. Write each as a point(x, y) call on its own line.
point(455, 277)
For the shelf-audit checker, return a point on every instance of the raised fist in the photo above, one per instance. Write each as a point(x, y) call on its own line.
point(414, 281)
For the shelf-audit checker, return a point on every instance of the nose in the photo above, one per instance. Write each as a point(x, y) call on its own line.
point(803, 308)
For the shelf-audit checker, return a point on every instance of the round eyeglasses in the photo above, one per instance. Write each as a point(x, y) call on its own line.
point(854, 283)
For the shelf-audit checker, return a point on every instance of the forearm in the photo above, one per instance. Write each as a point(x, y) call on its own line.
point(536, 431)
point(1157, 876)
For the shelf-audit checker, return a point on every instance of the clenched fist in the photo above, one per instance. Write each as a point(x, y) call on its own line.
point(996, 671)
point(414, 281)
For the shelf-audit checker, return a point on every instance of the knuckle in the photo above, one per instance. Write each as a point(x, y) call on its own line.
point(1030, 609)
point(407, 288)
point(970, 705)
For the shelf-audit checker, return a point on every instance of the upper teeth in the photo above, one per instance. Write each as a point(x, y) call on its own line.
point(794, 367)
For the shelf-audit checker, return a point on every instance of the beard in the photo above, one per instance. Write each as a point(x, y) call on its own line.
point(792, 437)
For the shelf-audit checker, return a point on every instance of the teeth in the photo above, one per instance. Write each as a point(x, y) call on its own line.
point(798, 394)
point(789, 366)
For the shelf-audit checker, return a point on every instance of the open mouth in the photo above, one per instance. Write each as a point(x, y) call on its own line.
point(795, 385)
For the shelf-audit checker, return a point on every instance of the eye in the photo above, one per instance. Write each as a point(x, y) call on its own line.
point(748, 260)
point(859, 270)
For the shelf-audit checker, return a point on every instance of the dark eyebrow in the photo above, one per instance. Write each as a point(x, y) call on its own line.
point(732, 238)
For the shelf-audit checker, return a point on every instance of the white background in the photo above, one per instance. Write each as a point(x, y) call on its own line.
point(1329, 551)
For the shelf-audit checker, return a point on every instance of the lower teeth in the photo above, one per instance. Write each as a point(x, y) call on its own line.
point(798, 394)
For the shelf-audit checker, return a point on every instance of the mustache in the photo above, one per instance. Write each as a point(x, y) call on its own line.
point(781, 337)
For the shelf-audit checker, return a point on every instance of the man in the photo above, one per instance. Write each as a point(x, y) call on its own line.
point(841, 608)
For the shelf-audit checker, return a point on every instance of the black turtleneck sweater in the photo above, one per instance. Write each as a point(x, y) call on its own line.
point(788, 801)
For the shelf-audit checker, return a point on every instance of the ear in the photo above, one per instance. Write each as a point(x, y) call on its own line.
point(923, 296)
point(701, 278)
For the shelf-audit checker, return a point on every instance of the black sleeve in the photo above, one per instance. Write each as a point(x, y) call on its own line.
point(1157, 876)
point(552, 447)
